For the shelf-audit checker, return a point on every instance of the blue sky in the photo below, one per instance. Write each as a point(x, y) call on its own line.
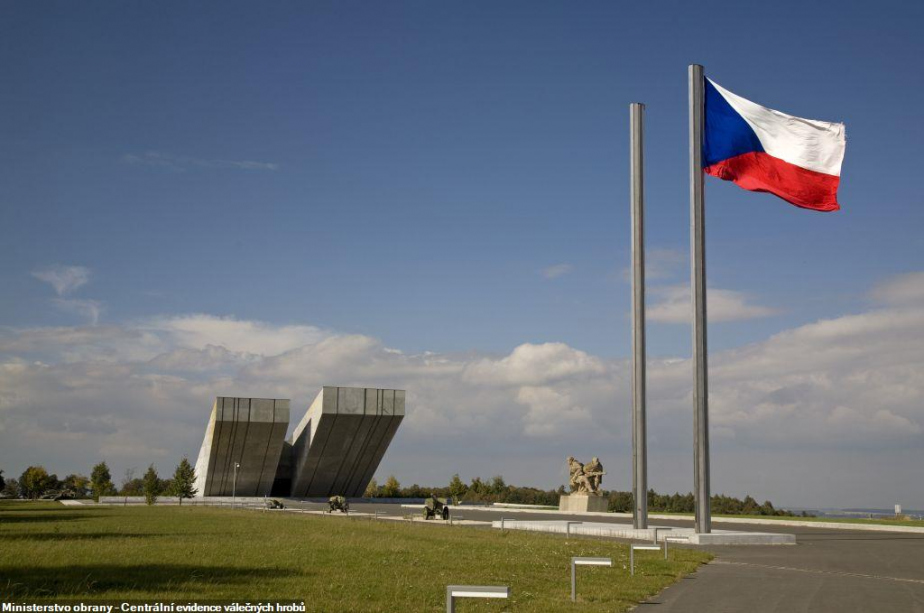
point(442, 177)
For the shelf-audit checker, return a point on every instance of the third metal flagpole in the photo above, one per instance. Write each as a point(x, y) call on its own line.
point(698, 289)
point(639, 436)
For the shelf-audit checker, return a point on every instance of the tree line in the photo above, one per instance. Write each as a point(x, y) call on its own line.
point(494, 490)
point(497, 490)
point(719, 504)
point(36, 483)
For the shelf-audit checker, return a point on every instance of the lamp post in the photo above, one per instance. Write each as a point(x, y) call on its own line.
point(234, 484)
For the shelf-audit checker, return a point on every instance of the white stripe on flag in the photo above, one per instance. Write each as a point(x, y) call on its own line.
point(809, 143)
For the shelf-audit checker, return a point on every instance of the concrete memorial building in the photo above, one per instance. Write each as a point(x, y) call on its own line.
point(334, 450)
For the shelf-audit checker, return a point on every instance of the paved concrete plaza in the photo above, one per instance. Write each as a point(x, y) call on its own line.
point(834, 571)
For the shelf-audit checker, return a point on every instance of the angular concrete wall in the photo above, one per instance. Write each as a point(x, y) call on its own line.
point(342, 438)
point(249, 431)
point(282, 484)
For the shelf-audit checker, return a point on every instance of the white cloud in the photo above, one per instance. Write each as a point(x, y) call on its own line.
point(531, 364)
point(208, 359)
point(64, 279)
point(551, 410)
point(90, 309)
point(901, 289)
point(183, 163)
point(673, 305)
point(557, 270)
point(847, 388)
point(82, 344)
point(200, 331)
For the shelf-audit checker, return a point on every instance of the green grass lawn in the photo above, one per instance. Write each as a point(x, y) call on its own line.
point(52, 552)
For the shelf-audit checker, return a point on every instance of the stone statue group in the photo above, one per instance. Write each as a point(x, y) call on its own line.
point(586, 478)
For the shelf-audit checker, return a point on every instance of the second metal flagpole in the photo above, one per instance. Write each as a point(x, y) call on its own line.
point(639, 435)
point(698, 289)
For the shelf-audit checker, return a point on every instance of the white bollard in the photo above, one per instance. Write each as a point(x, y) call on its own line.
point(633, 549)
point(584, 562)
point(473, 591)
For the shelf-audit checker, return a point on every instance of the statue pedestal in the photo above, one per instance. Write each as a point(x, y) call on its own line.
point(582, 503)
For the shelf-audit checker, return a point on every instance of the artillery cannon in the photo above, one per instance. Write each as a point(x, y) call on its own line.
point(436, 507)
point(272, 503)
point(338, 503)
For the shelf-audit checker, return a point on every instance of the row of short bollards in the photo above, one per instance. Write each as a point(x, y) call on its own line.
point(488, 591)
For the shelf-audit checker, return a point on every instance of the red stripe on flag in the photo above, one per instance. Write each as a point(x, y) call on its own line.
point(760, 172)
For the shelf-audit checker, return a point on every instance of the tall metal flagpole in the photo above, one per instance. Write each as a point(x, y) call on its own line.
point(698, 283)
point(639, 436)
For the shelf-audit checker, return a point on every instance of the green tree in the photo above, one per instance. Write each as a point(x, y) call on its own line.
point(11, 489)
point(391, 489)
point(457, 488)
point(498, 485)
point(127, 478)
point(372, 490)
point(184, 478)
point(101, 481)
point(415, 491)
point(34, 481)
point(165, 487)
point(151, 485)
point(134, 487)
point(621, 502)
point(78, 484)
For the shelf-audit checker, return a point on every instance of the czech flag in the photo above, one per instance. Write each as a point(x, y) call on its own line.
point(763, 150)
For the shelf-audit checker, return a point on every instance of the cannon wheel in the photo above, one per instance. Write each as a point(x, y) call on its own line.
point(427, 513)
point(445, 513)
